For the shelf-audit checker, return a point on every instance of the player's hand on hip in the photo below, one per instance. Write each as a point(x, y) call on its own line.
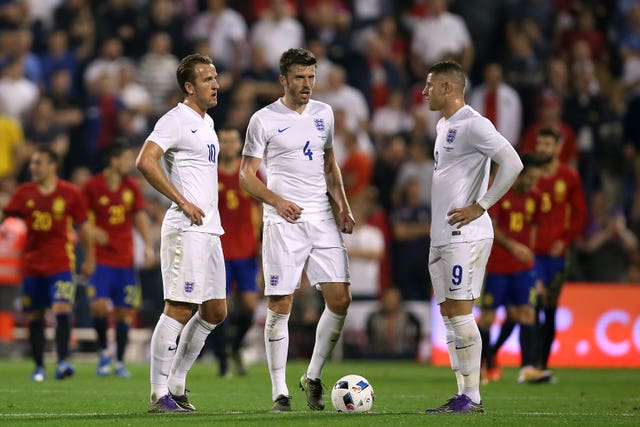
point(194, 213)
point(463, 216)
point(347, 222)
point(288, 210)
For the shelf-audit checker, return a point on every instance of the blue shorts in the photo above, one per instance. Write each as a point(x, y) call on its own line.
point(509, 289)
point(551, 270)
point(38, 293)
point(243, 272)
point(117, 284)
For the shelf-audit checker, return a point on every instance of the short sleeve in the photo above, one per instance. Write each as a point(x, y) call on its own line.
point(166, 132)
point(485, 138)
point(256, 140)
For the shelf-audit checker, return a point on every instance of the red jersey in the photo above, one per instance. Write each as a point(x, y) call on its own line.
point(562, 210)
point(515, 215)
point(236, 208)
point(113, 211)
point(49, 218)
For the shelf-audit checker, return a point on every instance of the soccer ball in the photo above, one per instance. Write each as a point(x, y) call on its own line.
point(352, 393)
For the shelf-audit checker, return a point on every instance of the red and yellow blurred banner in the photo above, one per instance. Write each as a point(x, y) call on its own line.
point(598, 325)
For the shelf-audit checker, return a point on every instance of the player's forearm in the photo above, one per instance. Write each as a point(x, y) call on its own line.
point(335, 187)
point(250, 183)
point(86, 240)
point(143, 225)
point(155, 176)
point(510, 167)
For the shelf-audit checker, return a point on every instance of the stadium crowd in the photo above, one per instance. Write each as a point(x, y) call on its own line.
point(82, 74)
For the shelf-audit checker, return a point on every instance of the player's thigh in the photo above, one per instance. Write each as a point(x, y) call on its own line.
point(244, 275)
point(101, 281)
point(285, 249)
point(522, 288)
point(328, 260)
point(125, 291)
point(464, 267)
point(494, 292)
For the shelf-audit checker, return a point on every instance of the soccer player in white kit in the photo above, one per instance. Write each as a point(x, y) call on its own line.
point(461, 230)
point(294, 137)
point(192, 263)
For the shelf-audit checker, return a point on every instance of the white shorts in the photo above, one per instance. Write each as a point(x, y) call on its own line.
point(457, 269)
point(192, 266)
point(315, 246)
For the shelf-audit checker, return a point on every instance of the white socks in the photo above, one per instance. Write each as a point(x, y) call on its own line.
point(163, 348)
point(327, 334)
point(191, 342)
point(468, 348)
point(453, 357)
point(276, 342)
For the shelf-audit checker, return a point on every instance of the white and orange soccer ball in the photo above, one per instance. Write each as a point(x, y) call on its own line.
point(352, 393)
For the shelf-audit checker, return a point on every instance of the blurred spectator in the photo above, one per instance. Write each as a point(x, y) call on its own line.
point(342, 96)
point(607, 247)
point(42, 128)
point(410, 225)
point(17, 43)
point(76, 17)
point(356, 168)
point(524, 71)
point(392, 331)
point(365, 248)
point(342, 130)
point(157, 71)
point(498, 102)
point(262, 80)
point(17, 93)
point(58, 56)
point(629, 48)
point(226, 31)
point(391, 118)
point(550, 116)
point(396, 43)
point(440, 34)
point(392, 153)
point(329, 21)
point(417, 168)
point(117, 18)
point(12, 153)
point(135, 98)
point(323, 64)
point(162, 16)
point(583, 111)
point(277, 31)
point(107, 65)
point(377, 75)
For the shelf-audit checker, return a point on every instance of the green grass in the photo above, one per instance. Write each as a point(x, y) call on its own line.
point(403, 390)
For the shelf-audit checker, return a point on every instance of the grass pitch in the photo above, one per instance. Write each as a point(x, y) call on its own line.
point(403, 390)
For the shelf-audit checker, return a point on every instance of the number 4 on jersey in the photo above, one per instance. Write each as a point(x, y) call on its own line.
point(307, 151)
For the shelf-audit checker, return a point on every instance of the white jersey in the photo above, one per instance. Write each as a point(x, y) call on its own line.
point(292, 147)
point(191, 147)
point(463, 148)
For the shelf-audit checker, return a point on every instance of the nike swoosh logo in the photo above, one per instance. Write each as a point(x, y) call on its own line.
point(276, 339)
point(194, 130)
point(172, 348)
point(466, 346)
point(453, 289)
point(283, 129)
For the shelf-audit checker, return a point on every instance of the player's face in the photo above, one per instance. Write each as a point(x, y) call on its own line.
point(298, 83)
point(41, 167)
point(547, 147)
point(204, 89)
point(124, 163)
point(230, 144)
point(434, 91)
point(528, 179)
